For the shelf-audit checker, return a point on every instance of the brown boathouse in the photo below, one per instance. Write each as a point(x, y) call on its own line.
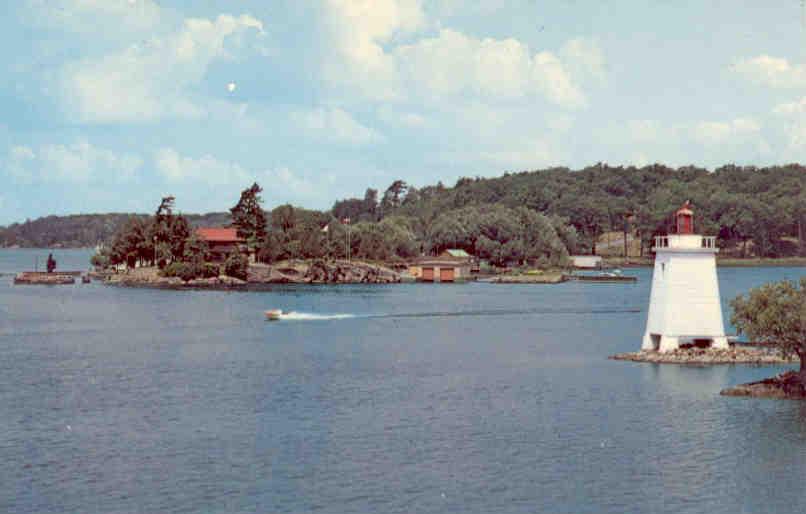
point(449, 266)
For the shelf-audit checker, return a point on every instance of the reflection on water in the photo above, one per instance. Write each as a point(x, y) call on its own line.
point(134, 400)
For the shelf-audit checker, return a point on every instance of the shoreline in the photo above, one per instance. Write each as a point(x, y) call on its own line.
point(784, 386)
point(259, 276)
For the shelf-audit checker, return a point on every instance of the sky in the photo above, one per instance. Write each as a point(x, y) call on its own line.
point(108, 105)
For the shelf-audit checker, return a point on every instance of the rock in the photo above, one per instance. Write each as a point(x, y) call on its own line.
point(784, 386)
point(707, 356)
point(320, 271)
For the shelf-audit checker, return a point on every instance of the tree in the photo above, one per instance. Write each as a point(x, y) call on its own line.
point(131, 244)
point(236, 265)
point(179, 232)
point(197, 251)
point(499, 238)
point(393, 197)
point(775, 313)
point(248, 216)
point(539, 239)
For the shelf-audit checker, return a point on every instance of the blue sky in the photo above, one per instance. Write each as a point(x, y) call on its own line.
point(107, 105)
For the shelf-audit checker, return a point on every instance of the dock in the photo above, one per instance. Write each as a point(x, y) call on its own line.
point(602, 278)
point(53, 278)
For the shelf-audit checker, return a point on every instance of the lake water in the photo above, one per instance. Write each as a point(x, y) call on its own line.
point(424, 398)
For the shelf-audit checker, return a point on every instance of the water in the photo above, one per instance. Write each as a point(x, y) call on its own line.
point(409, 398)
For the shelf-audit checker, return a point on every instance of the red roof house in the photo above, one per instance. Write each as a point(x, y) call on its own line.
point(222, 241)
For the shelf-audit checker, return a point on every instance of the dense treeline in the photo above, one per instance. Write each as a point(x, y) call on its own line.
point(516, 217)
point(493, 232)
point(85, 230)
point(751, 209)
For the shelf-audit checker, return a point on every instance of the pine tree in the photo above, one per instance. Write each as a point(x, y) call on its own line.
point(248, 216)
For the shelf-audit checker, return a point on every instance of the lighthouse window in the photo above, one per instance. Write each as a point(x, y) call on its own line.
point(662, 269)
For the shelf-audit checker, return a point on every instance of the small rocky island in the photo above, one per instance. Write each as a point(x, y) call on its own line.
point(285, 272)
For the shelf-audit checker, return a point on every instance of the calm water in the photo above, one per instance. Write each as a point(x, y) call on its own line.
point(457, 398)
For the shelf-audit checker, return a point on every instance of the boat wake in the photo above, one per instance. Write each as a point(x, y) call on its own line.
point(308, 316)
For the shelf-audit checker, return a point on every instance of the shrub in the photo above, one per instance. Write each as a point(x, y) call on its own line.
point(190, 270)
point(178, 269)
point(100, 260)
point(210, 270)
point(236, 265)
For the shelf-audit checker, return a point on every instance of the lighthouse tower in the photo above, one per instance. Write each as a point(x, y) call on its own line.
point(684, 304)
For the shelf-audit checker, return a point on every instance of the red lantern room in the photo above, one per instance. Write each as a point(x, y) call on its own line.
point(684, 219)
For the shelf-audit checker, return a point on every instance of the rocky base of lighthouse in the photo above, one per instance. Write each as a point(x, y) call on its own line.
point(665, 343)
point(707, 356)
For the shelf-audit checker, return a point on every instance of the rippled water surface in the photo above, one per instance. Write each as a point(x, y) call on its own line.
point(410, 398)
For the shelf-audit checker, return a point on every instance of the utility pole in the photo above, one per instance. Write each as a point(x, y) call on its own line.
point(346, 221)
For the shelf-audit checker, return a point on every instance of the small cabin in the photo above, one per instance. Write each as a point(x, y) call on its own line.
point(222, 242)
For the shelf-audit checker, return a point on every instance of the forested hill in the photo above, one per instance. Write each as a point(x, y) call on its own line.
point(759, 209)
point(84, 230)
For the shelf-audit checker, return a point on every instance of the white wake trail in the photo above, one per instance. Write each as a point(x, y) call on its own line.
point(307, 316)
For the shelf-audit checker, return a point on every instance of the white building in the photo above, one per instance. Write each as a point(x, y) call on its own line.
point(684, 305)
point(586, 261)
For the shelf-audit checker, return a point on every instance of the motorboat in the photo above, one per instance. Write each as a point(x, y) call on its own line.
point(274, 314)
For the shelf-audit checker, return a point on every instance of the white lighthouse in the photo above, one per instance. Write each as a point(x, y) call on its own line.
point(684, 304)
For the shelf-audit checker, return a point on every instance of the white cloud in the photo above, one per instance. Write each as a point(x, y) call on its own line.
point(791, 108)
point(718, 132)
point(206, 169)
point(299, 187)
point(208, 174)
point(367, 54)
point(455, 64)
point(561, 123)
point(404, 118)
point(358, 30)
point(150, 81)
point(797, 138)
point(77, 162)
point(584, 58)
point(334, 124)
point(110, 17)
point(523, 155)
point(645, 131)
point(770, 71)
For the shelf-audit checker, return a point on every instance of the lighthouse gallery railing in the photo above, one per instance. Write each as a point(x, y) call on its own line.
point(676, 242)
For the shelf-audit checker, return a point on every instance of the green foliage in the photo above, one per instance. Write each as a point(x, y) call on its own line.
point(502, 235)
point(131, 244)
point(196, 250)
point(775, 313)
point(100, 260)
point(236, 265)
point(248, 216)
point(357, 209)
point(191, 270)
point(750, 209)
